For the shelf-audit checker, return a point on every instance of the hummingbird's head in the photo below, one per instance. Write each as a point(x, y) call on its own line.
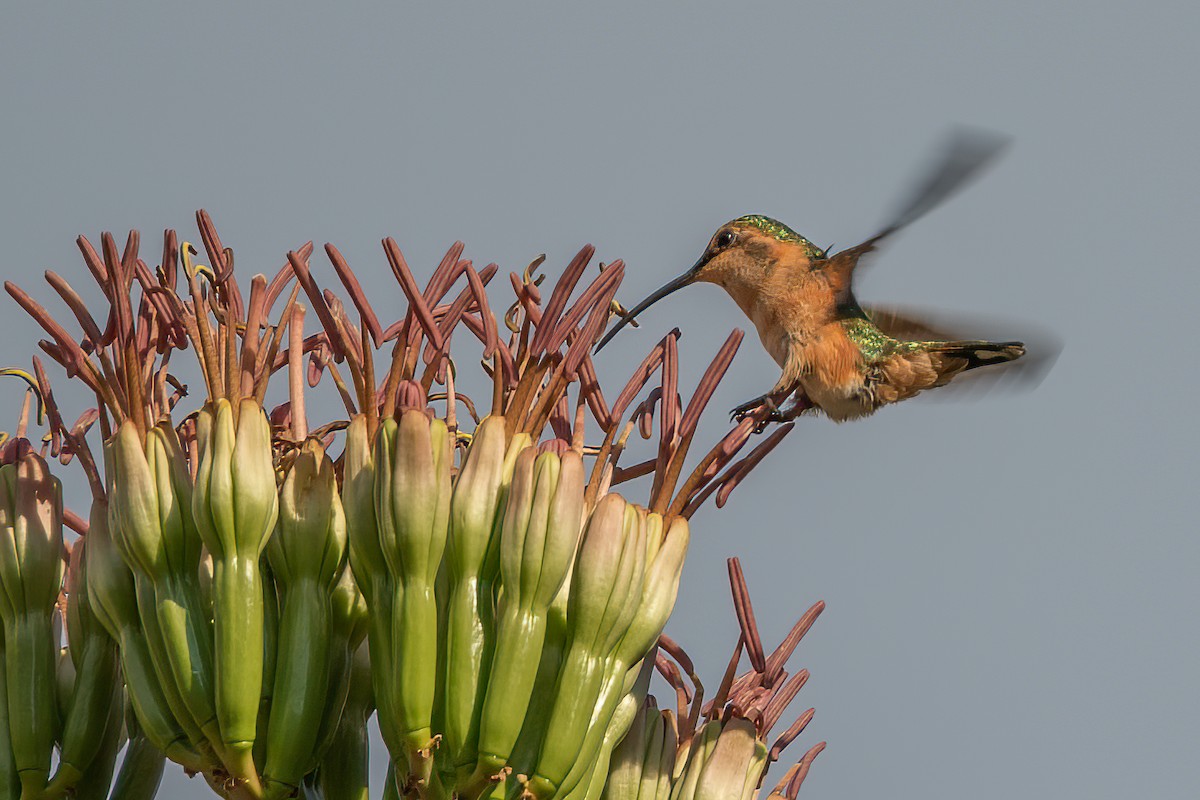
point(740, 257)
point(743, 253)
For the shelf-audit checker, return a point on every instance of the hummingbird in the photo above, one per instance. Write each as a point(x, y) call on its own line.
point(837, 356)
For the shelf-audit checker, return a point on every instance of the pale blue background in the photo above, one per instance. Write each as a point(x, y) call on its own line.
point(1011, 582)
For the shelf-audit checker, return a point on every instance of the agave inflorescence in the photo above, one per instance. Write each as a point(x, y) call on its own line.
point(718, 749)
point(485, 588)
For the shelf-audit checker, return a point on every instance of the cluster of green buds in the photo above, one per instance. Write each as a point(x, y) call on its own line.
point(31, 572)
point(257, 587)
point(67, 700)
point(716, 750)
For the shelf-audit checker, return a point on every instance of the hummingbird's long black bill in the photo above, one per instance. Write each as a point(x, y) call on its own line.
point(683, 280)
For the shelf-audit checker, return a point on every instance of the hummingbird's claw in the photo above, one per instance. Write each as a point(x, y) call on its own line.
point(744, 410)
point(782, 406)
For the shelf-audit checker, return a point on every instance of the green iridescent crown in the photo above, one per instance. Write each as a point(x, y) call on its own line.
point(777, 230)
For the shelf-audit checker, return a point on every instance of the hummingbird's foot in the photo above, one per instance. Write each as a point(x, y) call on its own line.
point(767, 403)
point(744, 410)
point(787, 412)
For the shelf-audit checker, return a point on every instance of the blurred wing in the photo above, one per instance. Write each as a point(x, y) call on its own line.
point(960, 158)
point(917, 325)
point(904, 324)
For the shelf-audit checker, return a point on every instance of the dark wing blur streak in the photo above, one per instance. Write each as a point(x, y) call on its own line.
point(962, 157)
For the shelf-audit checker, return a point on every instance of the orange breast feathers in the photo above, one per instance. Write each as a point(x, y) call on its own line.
point(833, 360)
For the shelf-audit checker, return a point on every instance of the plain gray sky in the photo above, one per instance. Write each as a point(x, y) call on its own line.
point(1011, 582)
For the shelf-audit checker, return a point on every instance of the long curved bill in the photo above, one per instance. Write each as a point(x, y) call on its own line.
point(683, 280)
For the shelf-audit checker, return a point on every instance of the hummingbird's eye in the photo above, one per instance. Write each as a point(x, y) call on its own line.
point(724, 239)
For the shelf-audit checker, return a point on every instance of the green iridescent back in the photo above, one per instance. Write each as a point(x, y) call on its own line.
point(874, 344)
point(777, 230)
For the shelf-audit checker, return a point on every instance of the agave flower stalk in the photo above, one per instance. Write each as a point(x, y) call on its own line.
point(720, 748)
point(530, 375)
point(149, 476)
point(514, 592)
point(235, 502)
point(103, 589)
point(414, 509)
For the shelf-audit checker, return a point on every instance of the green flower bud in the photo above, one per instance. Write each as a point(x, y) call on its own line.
point(31, 572)
point(10, 781)
point(133, 493)
point(702, 745)
point(344, 768)
point(348, 629)
point(540, 535)
point(64, 680)
point(31, 547)
point(734, 765)
point(644, 761)
point(307, 556)
point(412, 496)
point(624, 756)
point(310, 539)
point(661, 587)
point(362, 527)
point(235, 505)
point(370, 571)
point(152, 509)
point(628, 759)
point(96, 692)
point(141, 769)
point(605, 591)
point(114, 602)
point(474, 509)
point(151, 495)
point(235, 500)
